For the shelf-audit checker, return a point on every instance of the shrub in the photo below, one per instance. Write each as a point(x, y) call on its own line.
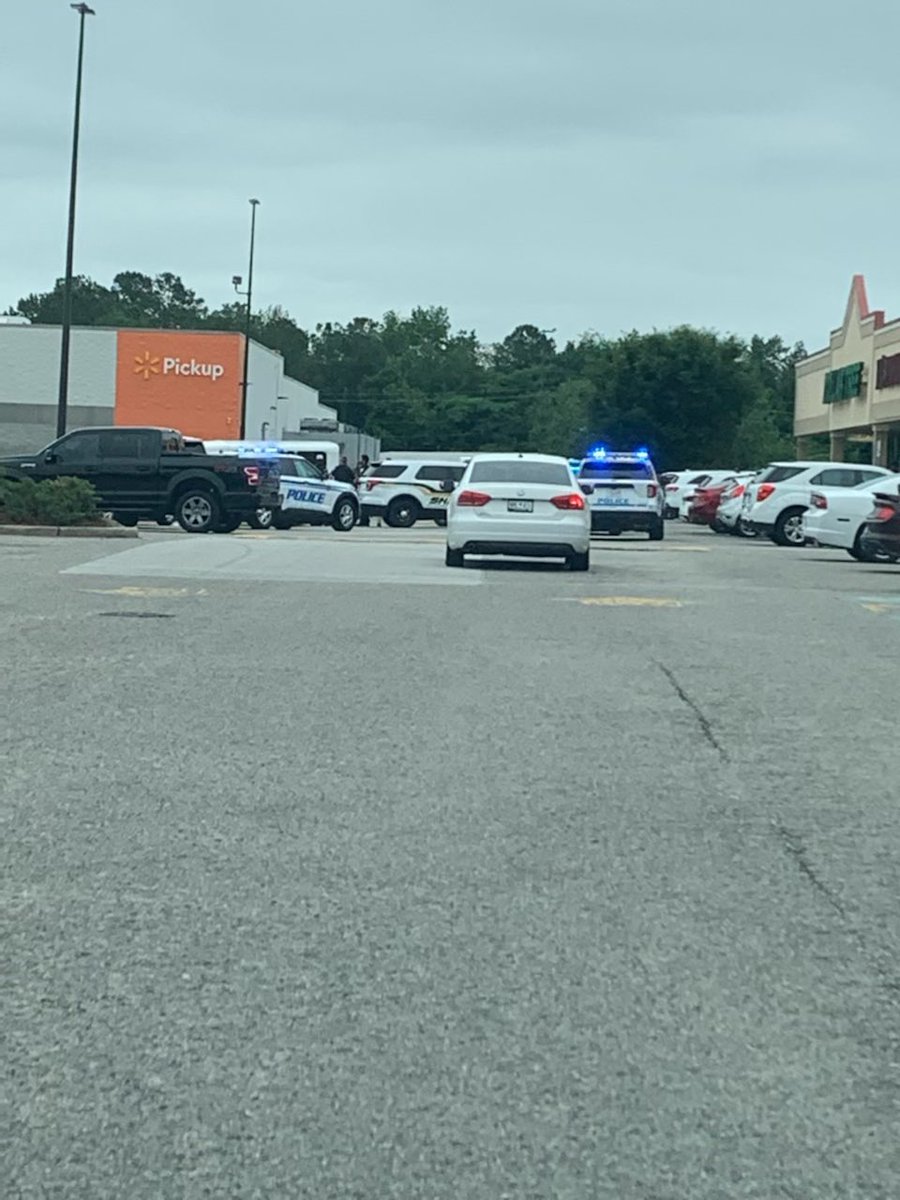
point(50, 502)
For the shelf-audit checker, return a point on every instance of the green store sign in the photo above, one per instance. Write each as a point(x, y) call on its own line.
point(843, 384)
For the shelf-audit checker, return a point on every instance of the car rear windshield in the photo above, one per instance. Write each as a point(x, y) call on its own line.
point(780, 474)
point(614, 470)
point(385, 471)
point(503, 470)
point(438, 473)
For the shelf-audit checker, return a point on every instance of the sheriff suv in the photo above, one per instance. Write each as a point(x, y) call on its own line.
point(403, 491)
point(624, 493)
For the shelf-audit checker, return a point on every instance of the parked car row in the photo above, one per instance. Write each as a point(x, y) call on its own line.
point(842, 505)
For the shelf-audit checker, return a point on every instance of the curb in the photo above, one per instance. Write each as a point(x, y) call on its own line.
point(76, 531)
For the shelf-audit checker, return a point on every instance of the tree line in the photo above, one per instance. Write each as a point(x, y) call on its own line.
point(693, 396)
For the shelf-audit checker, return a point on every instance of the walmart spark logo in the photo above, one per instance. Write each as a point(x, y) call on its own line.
point(147, 365)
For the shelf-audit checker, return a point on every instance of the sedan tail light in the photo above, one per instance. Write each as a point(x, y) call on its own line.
point(469, 499)
point(883, 512)
point(764, 491)
point(569, 500)
point(817, 500)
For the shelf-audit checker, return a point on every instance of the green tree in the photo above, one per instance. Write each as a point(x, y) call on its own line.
point(134, 300)
point(92, 304)
point(561, 421)
point(160, 302)
point(757, 439)
point(681, 392)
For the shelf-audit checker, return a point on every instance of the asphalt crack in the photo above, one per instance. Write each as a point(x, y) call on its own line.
point(798, 852)
point(701, 718)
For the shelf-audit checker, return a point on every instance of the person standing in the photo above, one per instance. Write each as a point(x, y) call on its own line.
point(343, 472)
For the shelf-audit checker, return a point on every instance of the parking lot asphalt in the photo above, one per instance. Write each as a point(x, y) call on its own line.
point(518, 883)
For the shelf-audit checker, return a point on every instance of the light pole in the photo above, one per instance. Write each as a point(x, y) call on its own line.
point(249, 294)
point(63, 400)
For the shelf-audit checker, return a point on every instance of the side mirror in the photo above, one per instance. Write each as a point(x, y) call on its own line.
point(50, 457)
point(449, 485)
point(587, 488)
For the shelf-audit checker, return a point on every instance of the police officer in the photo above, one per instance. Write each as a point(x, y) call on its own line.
point(343, 472)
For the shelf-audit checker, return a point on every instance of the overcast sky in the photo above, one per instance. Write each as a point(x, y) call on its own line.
point(576, 164)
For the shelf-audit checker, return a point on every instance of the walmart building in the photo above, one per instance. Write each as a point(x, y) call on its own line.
point(851, 389)
point(180, 379)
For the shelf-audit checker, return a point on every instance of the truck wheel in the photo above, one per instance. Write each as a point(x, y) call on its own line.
point(344, 516)
point(454, 558)
point(261, 519)
point(580, 560)
point(657, 531)
point(402, 513)
point(440, 519)
point(165, 521)
point(281, 521)
point(126, 519)
point(197, 510)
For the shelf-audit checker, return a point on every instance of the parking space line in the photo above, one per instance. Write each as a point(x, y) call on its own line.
point(625, 601)
point(144, 592)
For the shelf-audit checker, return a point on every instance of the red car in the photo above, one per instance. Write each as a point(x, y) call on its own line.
point(706, 503)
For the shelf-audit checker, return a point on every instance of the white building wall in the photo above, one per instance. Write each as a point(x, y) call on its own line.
point(29, 383)
point(266, 367)
point(301, 403)
point(275, 399)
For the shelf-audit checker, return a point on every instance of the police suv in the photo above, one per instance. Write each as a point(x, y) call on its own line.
point(624, 492)
point(403, 491)
point(307, 498)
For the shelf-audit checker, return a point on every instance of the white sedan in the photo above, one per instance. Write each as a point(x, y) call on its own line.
point(836, 517)
point(527, 505)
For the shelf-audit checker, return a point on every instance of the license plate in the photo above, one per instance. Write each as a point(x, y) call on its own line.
point(520, 506)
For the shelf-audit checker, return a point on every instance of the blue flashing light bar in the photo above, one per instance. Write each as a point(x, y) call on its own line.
point(601, 452)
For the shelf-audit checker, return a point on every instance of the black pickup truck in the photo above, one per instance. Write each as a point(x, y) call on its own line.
point(152, 474)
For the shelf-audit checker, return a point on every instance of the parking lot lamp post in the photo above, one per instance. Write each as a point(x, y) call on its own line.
point(63, 400)
point(249, 294)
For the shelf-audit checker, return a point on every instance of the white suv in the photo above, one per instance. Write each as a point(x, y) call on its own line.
point(403, 491)
point(776, 502)
point(624, 493)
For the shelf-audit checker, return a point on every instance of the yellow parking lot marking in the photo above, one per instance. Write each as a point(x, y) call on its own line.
point(145, 592)
point(629, 601)
point(879, 608)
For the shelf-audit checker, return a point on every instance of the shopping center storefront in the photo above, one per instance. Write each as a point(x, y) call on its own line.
point(182, 379)
point(851, 390)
